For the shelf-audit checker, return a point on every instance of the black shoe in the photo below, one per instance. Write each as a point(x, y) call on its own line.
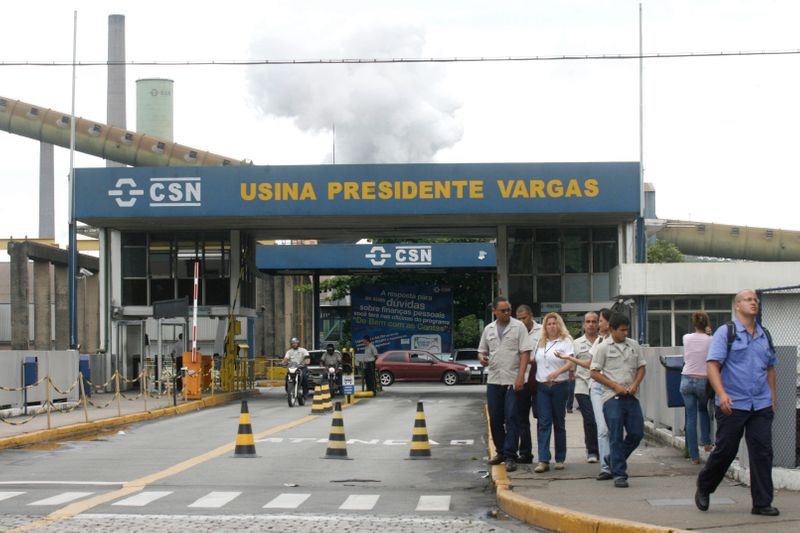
point(604, 476)
point(701, 500)
point(621, 483)
point(526, 460)
point(510, 465)
point(765, 511)
point(497, 459)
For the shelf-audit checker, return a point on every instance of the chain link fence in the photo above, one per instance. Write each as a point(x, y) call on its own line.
point(780, 314)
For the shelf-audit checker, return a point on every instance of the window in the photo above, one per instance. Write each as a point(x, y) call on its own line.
point(395, 357)
point(670, 318)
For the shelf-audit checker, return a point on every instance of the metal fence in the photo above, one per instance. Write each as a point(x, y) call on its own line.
point(780, 314)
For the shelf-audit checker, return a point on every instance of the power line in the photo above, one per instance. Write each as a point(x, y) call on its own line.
point(396, 60)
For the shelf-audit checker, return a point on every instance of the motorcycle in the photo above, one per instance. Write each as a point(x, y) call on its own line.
point(333, 380)
point(294, 385)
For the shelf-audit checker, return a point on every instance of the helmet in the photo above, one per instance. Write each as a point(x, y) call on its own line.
point(294, 340)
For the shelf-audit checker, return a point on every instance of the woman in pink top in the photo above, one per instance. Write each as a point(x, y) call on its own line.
point(693, 384)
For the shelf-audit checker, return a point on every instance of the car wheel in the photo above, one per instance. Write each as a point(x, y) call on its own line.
point(386, 378)
point(450, 378)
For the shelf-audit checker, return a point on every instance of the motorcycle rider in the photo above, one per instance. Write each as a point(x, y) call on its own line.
point(332, 358)
point(299, 355)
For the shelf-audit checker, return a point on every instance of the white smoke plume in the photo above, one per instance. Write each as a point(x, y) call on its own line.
point(383, 113)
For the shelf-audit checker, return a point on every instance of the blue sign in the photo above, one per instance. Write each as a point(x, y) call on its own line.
point(350, 190)
point(378, 256)
point(403, 317)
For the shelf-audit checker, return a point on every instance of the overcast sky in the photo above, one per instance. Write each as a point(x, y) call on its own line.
point(720, 133)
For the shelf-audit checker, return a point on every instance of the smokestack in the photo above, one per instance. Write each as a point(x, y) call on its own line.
point(116, 76)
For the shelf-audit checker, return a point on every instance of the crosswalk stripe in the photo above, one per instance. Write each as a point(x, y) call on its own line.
point(287, 501)
point(433, 503)
point(64, 497)
point(7, 495)
point(360, 502)
point(143, 498)
point(213, 500)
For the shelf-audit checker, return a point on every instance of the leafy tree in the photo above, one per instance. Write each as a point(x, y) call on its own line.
point(663, 252)
point(467, 332)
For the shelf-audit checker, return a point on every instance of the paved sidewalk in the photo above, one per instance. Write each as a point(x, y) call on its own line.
point(661, 493)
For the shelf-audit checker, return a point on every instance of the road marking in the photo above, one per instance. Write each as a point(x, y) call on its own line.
point(143, 498)
point(64, 497)
point(137, 485)
point(62, 482)
point(7, 495)
point(214, 500)
point(433, 503)
point(360, 502)
point(287, 501)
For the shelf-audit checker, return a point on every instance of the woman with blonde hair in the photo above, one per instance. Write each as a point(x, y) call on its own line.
point(552, 376)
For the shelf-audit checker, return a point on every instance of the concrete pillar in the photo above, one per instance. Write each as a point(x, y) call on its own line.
point(62, 306)
point(279, 312)
point(115, 98)
point(47, 224)
point(42, 327)
point(502, 260)
point(19, 297)
point(91, 316)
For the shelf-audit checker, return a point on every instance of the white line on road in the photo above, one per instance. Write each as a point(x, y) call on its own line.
point(143, 498)
point(360, 502)
point(7, 495)
point(433, 503)
point(287, 501)
point(62, 482)
point(64, 497)
point(213, 500)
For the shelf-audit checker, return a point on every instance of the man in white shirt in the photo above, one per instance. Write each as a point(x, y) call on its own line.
point(298, 354)
point(525, 396)
point(505, 349)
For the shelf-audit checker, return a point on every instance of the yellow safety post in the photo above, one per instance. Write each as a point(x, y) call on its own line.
point(337, 443)
point(420, 447)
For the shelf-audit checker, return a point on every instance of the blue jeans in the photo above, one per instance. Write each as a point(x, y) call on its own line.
point(523, 422)
point(693, 391)
point(502, 404)
point(596, 395)
point(551, 401)
point(625, 431)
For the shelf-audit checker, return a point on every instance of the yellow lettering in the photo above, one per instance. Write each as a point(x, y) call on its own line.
point(591, 188)
point(426, 190)
point(573, 189)
point(505, 188)
point(308, 192)
point(555, 188)
point(537, 188)
point(460, 185)
point(385, 190)
point(476, 189)
point(265, 191)
point(350, 190)
point(334, 189)
point(368, 190)
point(247, 191)
point(409, 190)
point(519, 189)
point(442, 189)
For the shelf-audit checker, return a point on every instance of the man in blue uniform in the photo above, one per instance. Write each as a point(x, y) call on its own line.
point(743, 377)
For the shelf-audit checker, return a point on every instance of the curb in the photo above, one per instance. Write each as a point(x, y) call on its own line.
point(554, 518)
point(84, 428)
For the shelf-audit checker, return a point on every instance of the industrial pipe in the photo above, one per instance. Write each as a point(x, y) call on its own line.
point(102, 140)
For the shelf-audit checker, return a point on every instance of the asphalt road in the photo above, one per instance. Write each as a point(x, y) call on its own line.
point(180, 474)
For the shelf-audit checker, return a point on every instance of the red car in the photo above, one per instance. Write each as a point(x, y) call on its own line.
point(418, 365)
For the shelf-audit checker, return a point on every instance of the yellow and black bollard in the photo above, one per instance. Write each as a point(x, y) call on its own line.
point(420, 447)
point(337, 442)
point(245, 445)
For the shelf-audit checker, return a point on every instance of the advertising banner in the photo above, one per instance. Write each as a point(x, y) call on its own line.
point(403, 317)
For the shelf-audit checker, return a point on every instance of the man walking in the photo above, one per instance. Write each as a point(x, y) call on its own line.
point(505, 349)
point(370, 355)
point(742, 373)
point(619, 365)
point(525, 396)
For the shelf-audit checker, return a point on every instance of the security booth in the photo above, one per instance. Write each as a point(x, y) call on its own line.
point(558, 229)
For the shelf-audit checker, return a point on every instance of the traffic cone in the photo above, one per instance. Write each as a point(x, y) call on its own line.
point(317, 408)
point(337, 442)
point(327, 405)
point(245, 445)
point(420, 447)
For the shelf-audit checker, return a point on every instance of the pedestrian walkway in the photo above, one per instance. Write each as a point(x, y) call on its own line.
point(661, 493)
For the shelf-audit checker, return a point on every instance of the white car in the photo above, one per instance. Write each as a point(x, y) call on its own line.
point(469, 357)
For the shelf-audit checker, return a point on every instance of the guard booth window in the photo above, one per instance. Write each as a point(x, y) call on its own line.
point(160, 266)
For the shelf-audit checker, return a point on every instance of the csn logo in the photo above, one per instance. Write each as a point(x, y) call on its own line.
point(161, 192)
point(404, 256)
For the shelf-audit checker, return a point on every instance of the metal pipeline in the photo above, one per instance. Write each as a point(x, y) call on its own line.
point(102, 140)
